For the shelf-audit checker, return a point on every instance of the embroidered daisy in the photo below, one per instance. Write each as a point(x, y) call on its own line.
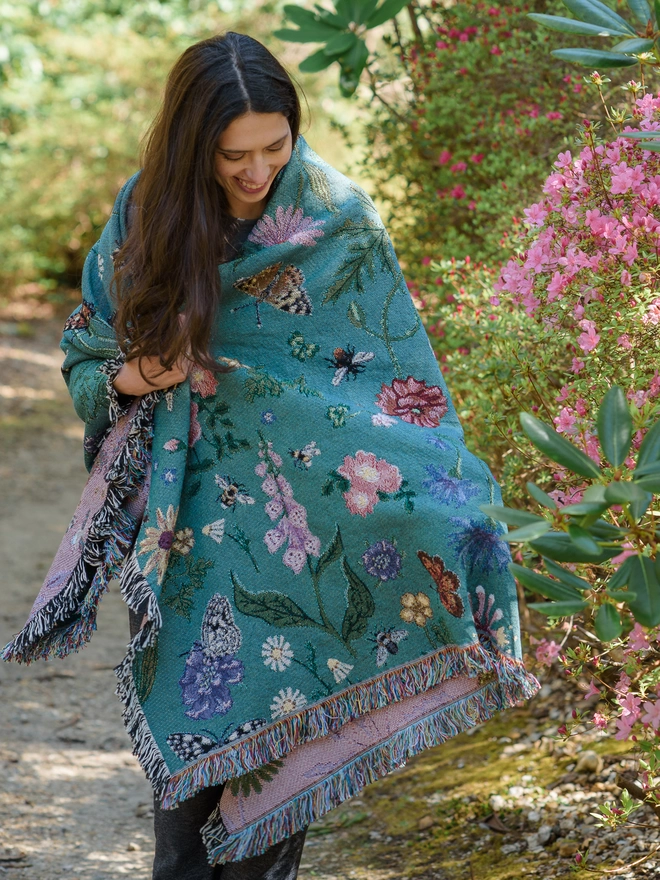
point(162, 540)
point(277, 653)
point(215, 530)
point(338, 669)
point(287, 701)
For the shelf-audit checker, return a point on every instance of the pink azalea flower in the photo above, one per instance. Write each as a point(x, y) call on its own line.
point(652, 714)
point(458, 166)
point(288, 226)
point(565, 421)
point(624, 727)
point(630, 706)
point(444, 157)
point(599, 720)
point(624, 341)
point(593, 691)
point(637, 639)
point(547, 652)
point(589, 339)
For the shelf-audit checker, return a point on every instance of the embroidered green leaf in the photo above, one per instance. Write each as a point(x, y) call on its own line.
point(318, 183)
point(356, 315)
point(338, 415)
point(335, 481)
point(275, 608)
point(260, 384)
point(368, 242)
point(252, 781)
point(182, 601)
point(331, 553)
point(186, 574)
point(144, 670)
point(301, 350)
point(361, 606)
point(300, 385)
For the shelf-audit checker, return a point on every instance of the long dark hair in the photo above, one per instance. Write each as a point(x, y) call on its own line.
point(179, 213)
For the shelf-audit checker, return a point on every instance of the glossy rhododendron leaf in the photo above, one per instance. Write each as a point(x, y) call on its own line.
point(572, 26)
point(598, 13)
point(386, 11)
point(595, 57)
point(643, 582)
point(641, 12)
point(541, 496)
point(544, 586)
point(557, 448)
point(607, 623)
point(615, 426)
point(510, 515)
point(566, 577)
point(649, 451)
point(558, 609)
point(528, 532)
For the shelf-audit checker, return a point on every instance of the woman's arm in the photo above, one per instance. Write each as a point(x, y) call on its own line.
point(129, 380)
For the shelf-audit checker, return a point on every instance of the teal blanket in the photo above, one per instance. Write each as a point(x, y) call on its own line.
point(312, 548)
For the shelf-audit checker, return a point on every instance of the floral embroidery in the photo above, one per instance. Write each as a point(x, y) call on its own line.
point(448, 489)
point(380, 420)
point(413, 401)
point(172, 445)
point(211, 666)
point(416, 608)
point(301, 350)
point(292, 527)
point(80, 319)
point(268, 417)
point(215, 530)
point(101, 265)
point(485, 620)
point(479, 545)
point(338, 415)
point(287, 701)
point(202, 382)
point(288, 225)
point(277, 653)
point(195, 431)
point(169, 476)
point(382, 560)
point(438, 443)
point(163, 540)
point(338, 669)
point(367, 476)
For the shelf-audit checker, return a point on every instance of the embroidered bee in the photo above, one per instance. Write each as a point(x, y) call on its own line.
point(80, 320)
point(387, 642)
point(280, 287)
point(232, 492)
point(446, 581)
point(302, 458)
point(347, 362)
point(192, 746)
point(220, 635)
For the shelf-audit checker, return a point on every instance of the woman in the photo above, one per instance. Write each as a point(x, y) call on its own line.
point(280, 475)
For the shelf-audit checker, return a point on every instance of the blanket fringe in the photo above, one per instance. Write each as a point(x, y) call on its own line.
point(511, 680)
point(68, 620)
point(307, 807)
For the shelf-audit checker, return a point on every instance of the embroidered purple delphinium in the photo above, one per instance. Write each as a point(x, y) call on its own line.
point(447, 489)
point(288, 226)
point(382, 560)
point(204, 684)
point(479, 545)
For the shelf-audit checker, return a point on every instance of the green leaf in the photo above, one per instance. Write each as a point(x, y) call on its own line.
point(583, 508)
point(644, 583)
point(596, 12)
point(650, 483)
point(583, 540)
point(144, 670)
point(560, 547)
point(272, 607)
point(558, 609)
point(301, 16)
point(572, 26)
point(656, 10)
point(361, 606)
point(633, 47)
point(595, 58)
point(315, 62)
point(651, 468)
point(331, 553)
point(352, 66)
point(566, 577)
point(528, 532)
point(595, 492)
point(641, 11)
point(606, 530)
point(621, 576)
point(557, 448)
point(615, 428)
point(541, 496)
point(607, 623)
point(538, 583)
point(356, 315)
point(385, 12)
point(625, 491)
point(638, 508)
point(639, 135)
point(318, 33)
point(510, 515)
point(340, 44)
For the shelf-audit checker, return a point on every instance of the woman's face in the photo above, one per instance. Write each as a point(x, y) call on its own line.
point(249, 154)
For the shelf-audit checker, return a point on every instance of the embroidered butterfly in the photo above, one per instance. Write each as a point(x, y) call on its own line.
point(192, 746)
point(280, 287)
point(220, 635)
point(446, 581)
point(80, 319)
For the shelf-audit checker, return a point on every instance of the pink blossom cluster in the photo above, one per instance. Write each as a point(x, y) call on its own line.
point(292, 526)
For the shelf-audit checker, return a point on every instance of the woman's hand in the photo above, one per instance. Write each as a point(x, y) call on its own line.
point(129, 381)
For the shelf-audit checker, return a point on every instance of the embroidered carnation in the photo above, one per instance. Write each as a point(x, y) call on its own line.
point(277, 653)
point(287, 701)
point(416, 608)
point(202, 382)
point(413, 401)
point(287, 226)
point(382, 560)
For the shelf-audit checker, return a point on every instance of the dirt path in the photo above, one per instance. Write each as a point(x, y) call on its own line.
point(501, 804)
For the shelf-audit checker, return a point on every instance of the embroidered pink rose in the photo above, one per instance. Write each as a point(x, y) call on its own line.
point(413, 401)
point(202, 382)
point(368, 476)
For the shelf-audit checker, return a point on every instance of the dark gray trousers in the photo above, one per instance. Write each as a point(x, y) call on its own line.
point(180, 851)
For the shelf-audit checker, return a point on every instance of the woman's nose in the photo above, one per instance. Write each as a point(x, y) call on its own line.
point(258, 171)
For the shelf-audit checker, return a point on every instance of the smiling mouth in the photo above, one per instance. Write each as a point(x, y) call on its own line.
point(250, 187)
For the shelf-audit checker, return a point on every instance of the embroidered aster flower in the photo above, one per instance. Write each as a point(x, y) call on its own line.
point(288, 225)
point(416, 608)
point(277, 653)
point(448, 489)
point(413, 401)
point(205, 683)
point(382, 560)
point(479, 545)
point(202, 382)
point(161, 540)
point(195, 432)
point(338, 669)
point(268, 417)
point(168, 476)
point(287, 701)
